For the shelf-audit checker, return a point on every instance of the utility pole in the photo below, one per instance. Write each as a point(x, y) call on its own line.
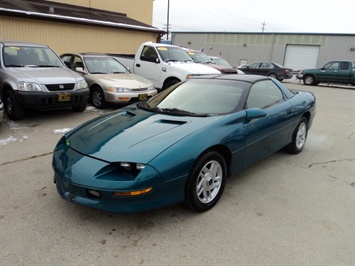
point(167, 21)
point(263, 26)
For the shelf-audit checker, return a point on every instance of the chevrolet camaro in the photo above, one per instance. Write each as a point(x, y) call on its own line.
point(181, 145)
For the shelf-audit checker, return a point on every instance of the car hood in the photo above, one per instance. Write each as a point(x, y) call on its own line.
point(224, 69)
point(132, 135)
point(53, 75)
point(123, 80)
point(194, 68)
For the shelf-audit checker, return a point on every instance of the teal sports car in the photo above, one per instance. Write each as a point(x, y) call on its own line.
point(181, 145)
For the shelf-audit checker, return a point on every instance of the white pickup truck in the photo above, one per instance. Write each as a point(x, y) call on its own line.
point(163, 64)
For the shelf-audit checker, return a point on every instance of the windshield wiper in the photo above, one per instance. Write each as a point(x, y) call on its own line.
point(98, 73)
point(14, 66)
point(47, 66)
point(144, 105)
point(178, 111)
point(175, 111)
point(171, 60)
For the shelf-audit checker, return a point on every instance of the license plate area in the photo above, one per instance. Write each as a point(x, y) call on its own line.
point(143, 97)
point(64, 97)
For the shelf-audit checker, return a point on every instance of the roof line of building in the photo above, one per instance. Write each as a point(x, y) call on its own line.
point(263, 33)
point(82, 20)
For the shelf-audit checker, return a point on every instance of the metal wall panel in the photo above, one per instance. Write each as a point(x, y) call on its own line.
point(66, 37)
point(238, 48)
point(141, 10)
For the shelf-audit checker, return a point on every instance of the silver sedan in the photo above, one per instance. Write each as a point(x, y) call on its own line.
point(109, 81)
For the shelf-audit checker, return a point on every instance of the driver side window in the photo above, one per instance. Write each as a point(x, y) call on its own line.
point(264, 94)
point(149, 54)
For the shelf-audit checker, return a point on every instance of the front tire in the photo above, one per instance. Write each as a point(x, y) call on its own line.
point(299, 137)
point(170, 83)
point(13, 109)
point(206, 182)
point(97, 97)
point(309, 80)
point(80, 108)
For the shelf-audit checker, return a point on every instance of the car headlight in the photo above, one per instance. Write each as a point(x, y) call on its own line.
point(151, 88)
point(82, 84)
point(132, 166)
point(119, 89)
point(29, 86)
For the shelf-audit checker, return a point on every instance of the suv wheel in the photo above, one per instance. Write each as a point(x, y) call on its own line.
point(13, 109)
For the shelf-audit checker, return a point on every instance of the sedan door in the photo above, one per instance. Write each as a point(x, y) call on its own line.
point(268, 134)
point(265, 69)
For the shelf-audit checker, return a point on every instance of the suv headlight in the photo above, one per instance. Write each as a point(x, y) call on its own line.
point(29, 86)
point(82, 84)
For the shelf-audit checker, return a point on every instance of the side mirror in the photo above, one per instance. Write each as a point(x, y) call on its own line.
point(254, 113)
point(80, 70)
point(153, 58)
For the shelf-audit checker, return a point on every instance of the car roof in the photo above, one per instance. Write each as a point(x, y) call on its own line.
point(88, 54)
point(20, 43)
point(236, 77)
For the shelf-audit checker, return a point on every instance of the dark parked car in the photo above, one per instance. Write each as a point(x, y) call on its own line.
point(268, 69)
point(201, 58)
point(180, 145)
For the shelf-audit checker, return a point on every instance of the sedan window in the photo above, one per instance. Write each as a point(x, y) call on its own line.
point(264, 94)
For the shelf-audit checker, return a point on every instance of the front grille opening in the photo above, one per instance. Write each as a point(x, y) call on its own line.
point(60, 87)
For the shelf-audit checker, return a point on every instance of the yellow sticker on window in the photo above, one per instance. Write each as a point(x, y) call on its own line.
point(163, 48)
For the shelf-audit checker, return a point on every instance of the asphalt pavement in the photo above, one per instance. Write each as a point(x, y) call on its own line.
point(284, 210)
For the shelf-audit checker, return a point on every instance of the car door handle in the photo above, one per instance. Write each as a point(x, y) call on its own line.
point(138, 65)
point(289, 111)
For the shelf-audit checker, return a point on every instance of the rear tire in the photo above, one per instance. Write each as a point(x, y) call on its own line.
point(13, 109)
point(299, 137)
point(273, 75)
point(206, 182)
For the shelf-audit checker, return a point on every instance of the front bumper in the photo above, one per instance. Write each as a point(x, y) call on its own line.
point(89, 182)
point(1, 115)
point(103, 199)
point(51, 100)
point(129, 97)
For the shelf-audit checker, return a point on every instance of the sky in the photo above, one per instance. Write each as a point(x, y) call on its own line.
point(298, 16)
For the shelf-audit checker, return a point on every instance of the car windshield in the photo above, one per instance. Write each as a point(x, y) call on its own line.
point(280, 66)
point(104, 65)
point(168, 53)
point(200, 57)
point(220, 61)
point(23, 56)
point(198, 97)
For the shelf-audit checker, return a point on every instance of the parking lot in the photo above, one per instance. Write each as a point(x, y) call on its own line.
point(286, 209)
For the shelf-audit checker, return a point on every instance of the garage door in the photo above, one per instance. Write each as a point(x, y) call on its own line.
point(300, 57)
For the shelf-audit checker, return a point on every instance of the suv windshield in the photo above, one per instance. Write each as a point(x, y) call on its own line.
point(23, 56)
point(200, 57)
